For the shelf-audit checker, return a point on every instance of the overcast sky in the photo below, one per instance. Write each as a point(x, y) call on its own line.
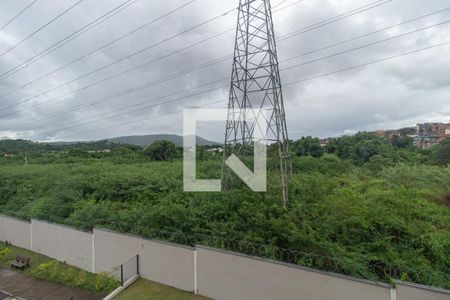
point(391, 94)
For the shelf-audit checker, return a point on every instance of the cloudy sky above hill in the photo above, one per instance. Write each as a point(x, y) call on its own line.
point(390, 94)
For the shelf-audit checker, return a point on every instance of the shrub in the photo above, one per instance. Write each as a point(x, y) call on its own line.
point(47, 270)
point(5, 251)
point(105, 283)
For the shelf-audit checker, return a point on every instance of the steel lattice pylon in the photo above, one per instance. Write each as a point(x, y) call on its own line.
point(256, 88)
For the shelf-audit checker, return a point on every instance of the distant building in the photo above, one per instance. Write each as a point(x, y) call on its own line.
point(390, 134)
point(325, 142)
point(381, 133)
point(99, 151)
point(432, 129)
point(215, 150)
point(426, 142)
point(431, 134)
point(425, 135)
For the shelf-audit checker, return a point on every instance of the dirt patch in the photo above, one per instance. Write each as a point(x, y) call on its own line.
point(21, 285)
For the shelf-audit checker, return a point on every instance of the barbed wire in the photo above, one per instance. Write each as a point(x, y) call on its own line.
point(359, 267)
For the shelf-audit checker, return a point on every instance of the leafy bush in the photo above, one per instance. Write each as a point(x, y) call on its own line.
point(161, 151)
point(105, 282)
point(60, 272)
point(47, 270)
point(4, 252)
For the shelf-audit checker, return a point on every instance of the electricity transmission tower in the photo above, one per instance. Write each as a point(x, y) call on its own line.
point(256, 89)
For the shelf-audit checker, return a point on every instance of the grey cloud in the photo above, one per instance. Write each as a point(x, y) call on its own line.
point(396, 93)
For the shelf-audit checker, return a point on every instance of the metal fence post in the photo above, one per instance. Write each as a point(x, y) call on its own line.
point(121, 275)
point(137, 264)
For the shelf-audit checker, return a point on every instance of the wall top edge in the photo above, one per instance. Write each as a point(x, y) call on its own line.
point(341, 276)
point(421, 286)
point(15, 219)
point(145, 239)
point(62, 225)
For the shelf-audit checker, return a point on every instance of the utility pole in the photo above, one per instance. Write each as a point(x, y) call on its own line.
point(256, 88)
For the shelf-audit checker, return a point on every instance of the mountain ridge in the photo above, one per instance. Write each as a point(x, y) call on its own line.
point(19, 145)
point(147, 140)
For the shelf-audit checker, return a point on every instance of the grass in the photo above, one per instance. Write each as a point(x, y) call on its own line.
point(46, 268)
point(147, 290)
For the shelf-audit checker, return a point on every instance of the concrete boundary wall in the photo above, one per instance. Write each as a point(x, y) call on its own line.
point(166, 263)
point(63, 243)
point(15, 231)
point(411, 291)
point(210, 272)
point(226, 275)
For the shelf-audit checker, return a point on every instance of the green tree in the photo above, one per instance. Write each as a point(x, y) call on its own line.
point(161, 151)
point(361, 147)
point(441, 153)
point(308, 146)
point(379, 162)
point(77, 153)
point(127, 153)
point(402, 141)
point(365, 150)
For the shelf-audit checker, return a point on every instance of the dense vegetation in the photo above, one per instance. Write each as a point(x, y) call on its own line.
point(362, 200)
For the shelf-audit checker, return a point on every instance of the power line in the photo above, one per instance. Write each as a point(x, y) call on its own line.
point(152, 105)
point(128, 112)
point(182, 73)
point(39, 56)
point(288, 5)
point(279, 4)
point(368, 34)
point(68, 39)
point(288, 84)
point(27, 63)
point(141, 86)
point(152, 83)
point(98, 49)
point(114, 96)
point(122, 93)
point(366, 45)
point(368, 63)
point(92, 52)
point(150, 46)
point(336, 18)
point(18, 14)
point(135, 53)
point(153, 117)
point(42, 27)
point(311, 27)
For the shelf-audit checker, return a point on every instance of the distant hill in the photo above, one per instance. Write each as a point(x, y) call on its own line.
point(146, 140)
point(22, 146)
